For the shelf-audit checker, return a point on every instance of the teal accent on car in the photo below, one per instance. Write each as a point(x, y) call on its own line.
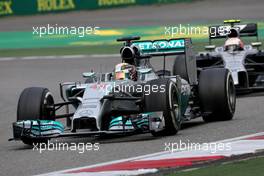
point(161, 46)
point(35, 128)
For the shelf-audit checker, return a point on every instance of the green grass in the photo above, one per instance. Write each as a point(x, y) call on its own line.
point(239, 168)
point(86, 50)
point(198, 45)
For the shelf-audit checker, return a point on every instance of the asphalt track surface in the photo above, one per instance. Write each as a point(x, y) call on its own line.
point(15, 75)
point(18, 159)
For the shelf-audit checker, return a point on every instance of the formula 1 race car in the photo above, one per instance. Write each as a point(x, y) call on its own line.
point(245, 62)
point(133, 99)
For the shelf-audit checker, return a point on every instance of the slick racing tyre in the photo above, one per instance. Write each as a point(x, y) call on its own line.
point(217, 95)
point(35, 103)
point(179, 67)
point(168, 102)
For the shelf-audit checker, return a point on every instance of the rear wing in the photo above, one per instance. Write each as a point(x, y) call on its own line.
point(163, 47)
point(245, 30)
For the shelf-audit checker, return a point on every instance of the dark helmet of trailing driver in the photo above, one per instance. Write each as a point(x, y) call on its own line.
point(233, 33)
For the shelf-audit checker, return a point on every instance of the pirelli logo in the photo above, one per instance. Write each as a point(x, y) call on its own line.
point(55, 5)
point(6, 7)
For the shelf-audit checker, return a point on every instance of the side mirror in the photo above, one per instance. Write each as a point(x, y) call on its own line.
point(256, 44)
point(210, 47)
point(88, 74)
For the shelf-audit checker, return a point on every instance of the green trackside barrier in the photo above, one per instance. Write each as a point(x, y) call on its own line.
point(30, 7)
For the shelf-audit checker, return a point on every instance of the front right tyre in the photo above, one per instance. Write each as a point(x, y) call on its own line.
point(35, 103)
point(167, 101)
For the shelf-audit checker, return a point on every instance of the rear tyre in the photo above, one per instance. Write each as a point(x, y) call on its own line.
point(217, 95)
point(180, 68)
point(167, 101)
point(35, 103)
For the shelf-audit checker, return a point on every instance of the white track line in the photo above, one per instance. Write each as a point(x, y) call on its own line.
point(7, 58)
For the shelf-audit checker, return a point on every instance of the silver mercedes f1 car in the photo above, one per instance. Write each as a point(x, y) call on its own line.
point(245, 62)
point(133, 99)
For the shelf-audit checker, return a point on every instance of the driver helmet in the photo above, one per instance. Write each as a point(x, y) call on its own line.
point(233, 33)
point(124, 71)
point(233, 39)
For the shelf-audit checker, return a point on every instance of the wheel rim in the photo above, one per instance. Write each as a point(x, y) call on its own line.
point(231, 93)
point(48, 107)
point(174, 104)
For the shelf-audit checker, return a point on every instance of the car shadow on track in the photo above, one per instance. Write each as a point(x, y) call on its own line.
point(192, 124)
point(21, 147)
point(255, 94)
